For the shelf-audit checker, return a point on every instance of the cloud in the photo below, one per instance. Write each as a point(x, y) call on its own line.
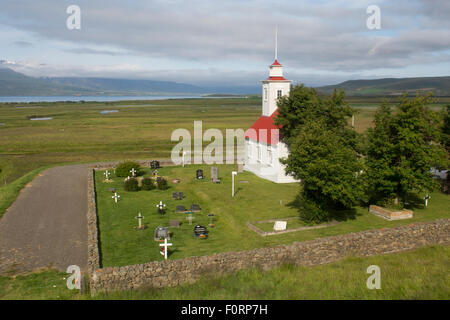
point(23, 43)
point(327, 36)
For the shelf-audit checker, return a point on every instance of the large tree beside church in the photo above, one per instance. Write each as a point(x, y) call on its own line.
point(322, 151)
point(403, 146)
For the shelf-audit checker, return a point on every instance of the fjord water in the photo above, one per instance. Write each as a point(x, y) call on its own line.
point(26, 99)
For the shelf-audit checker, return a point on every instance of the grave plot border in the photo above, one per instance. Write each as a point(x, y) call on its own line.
point(253, 227)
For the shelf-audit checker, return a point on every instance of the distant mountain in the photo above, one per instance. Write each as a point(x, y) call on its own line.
point(16, 84)
point(392, 86)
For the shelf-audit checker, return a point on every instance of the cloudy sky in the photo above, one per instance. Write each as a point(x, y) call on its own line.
point(227, 42)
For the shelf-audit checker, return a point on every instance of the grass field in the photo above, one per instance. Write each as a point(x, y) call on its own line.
point(140, 130)
point(419, 274)
point(256, 200)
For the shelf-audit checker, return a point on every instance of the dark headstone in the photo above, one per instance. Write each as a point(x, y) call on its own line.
point(199, 174)
point(112, 189)
point(200, 231)
point(154, 164)
point(180, 209)
point(195, 208)
point(177, 195)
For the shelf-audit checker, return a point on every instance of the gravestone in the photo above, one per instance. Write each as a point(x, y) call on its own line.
point(180, 209)
point(189, 217)
point(211, 217)
point(215, 175)
point(195, 208)
point(279, 226)
point(161, 233)
point(200, 231)
point(177, 195)
point(199, 174)
point(175, 223)
point(112, 190)
point(154, 164)
point(161, 207)
point(240, 168)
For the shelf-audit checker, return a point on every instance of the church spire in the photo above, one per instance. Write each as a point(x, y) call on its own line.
point(276, 42)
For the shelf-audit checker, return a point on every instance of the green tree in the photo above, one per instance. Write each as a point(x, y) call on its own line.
point(322, 151)
point(403, 147)
point(446, 128)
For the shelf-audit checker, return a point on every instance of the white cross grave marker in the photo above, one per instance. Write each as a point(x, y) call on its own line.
point(184, 153)
point(165, 245)
point(190, 217)
point(426, 200)
point(115, 197)
point(161, 206)
point(107, 174)
point(133, 172)
point(140, 217)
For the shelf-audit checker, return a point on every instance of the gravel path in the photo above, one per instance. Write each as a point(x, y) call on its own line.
point(46, 226)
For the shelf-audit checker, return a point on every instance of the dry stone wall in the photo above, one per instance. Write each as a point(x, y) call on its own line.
point(314, 252)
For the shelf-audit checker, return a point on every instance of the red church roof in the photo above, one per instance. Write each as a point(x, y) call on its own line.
point(276, 78)
point(276, 63)
point(261, 130)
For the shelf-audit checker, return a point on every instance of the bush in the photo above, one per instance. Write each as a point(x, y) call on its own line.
point(162, 184)
point(124, 168)
point(148, 184)
point(131, 185)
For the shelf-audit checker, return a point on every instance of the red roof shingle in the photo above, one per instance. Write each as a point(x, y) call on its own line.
point(264, 130)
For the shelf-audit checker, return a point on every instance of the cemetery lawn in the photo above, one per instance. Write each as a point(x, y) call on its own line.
point(418, 274)
point(257, 200)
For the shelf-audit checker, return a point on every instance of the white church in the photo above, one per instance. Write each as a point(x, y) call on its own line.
point(263, 148)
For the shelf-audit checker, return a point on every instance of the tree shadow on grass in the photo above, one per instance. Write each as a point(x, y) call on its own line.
point(339, 215)
point(414, 201)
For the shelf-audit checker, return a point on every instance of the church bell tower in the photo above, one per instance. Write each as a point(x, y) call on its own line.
point(275, 86)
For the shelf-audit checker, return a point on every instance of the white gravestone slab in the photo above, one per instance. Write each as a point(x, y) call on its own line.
point(280, 225)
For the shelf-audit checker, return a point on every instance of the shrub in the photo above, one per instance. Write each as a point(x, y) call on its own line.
point(131, 185)
point(163, 185)
point(124, 168)
point(148, 184)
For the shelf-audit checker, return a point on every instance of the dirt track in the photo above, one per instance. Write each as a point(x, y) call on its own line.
point(46, 226)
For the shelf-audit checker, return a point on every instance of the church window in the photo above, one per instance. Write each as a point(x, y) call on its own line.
point(265, 93)
point(269, 155)
point(279, 93)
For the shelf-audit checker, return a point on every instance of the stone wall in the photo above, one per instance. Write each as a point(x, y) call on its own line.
point(314, 252)
point(93, 250)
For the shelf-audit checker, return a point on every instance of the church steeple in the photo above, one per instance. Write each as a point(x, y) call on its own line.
point(276, 85)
